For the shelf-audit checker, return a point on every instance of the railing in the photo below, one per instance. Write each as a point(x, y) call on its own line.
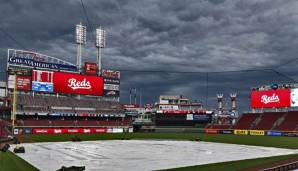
point(284, 167)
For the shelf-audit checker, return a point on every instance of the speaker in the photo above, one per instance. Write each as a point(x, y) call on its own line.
point(5, 147)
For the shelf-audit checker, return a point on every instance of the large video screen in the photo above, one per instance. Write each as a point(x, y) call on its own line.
point(68, 83)
point(271, 98)
point(42, 81)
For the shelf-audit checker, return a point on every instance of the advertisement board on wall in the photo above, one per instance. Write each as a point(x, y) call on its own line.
point(271, 98)
point(78, 84)
point(202, 118)
point(130, 106)
point(189, 117)
point(19, 71)
point(111, 87)
point(68, 130)
point(274, 133)
point(37, 60)
point(42, 81)
point(240, 132)
point(256, 132)
point(90, 68)
point(110, 73)
point(23, 83)
point(111, 93)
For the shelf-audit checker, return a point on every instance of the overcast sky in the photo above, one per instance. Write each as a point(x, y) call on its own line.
point(173, 35)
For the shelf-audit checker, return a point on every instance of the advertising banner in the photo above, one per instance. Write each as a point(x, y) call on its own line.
point(110, 73)
point(274, 133)
point(78, 84)
point(90, 68)
point(256, 132)
point(23, 83)
point(189, 117)
point(226, 131)
point(211, 131)
point(294, 97)
point(28, 130)
point(112, 81)
point(37, 60)
point(111, 87)
point(291, 134)
point(42, 81)
point(11, 81)
point(19, 71)
point(240, 132)
point(111, 93)
point(68, 130)
point(42, 87)
point(129, 106)
point(271, 98)
point(202, 117)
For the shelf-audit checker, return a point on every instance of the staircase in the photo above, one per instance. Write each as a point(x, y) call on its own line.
point(256, 122)
point(279, 121)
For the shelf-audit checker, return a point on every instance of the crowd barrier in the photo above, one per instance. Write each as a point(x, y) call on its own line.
point(70, 130)
point(252, 132)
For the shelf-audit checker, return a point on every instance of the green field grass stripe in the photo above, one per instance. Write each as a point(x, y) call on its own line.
point(11, 162)
point(235, 165)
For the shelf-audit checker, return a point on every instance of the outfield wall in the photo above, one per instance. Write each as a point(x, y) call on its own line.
point(71, 130)
point(252, 132)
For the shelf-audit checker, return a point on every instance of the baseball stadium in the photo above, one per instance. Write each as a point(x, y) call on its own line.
point(83, 114)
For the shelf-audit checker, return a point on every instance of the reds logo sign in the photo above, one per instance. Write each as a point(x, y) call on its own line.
point(270, 99)
point(74, 84)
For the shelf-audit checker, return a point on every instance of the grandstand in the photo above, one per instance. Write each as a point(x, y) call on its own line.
point(52, 93)
point(273, 107)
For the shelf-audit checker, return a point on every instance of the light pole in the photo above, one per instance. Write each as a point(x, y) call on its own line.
point(80, 40)
point(100, 43)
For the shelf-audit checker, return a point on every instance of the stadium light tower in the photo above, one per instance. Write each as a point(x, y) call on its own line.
point(100, 43)
point(220, 101)
point(80, 40)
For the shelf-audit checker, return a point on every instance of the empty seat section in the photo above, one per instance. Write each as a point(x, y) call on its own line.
point(267, 120)
point(290, 122)
point(246, 120)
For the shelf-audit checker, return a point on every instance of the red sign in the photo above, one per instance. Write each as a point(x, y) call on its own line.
point(23, 83)
point(68, 130)
point(110, 73)
point(42, 76)
point(271, 98)
point(90, 68)
point(129, 106)
point(211, 131)
point(78, 84)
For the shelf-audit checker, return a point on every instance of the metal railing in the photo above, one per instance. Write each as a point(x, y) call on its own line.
point(284, 167)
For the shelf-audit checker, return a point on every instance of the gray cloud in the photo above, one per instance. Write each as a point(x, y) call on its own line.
point(190, 35)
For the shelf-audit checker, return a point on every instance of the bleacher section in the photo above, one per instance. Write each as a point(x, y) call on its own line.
point(267, 120)
point(246, 121)
point(46, 104)
point(289, 123)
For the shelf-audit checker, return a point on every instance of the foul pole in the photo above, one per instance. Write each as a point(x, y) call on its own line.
point(14, 106)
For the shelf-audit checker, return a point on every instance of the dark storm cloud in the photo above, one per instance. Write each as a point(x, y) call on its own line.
point(176, 35)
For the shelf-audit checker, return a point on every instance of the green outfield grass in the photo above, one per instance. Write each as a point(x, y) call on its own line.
point(281, 142)
point(236, 165)
point(11, 162)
